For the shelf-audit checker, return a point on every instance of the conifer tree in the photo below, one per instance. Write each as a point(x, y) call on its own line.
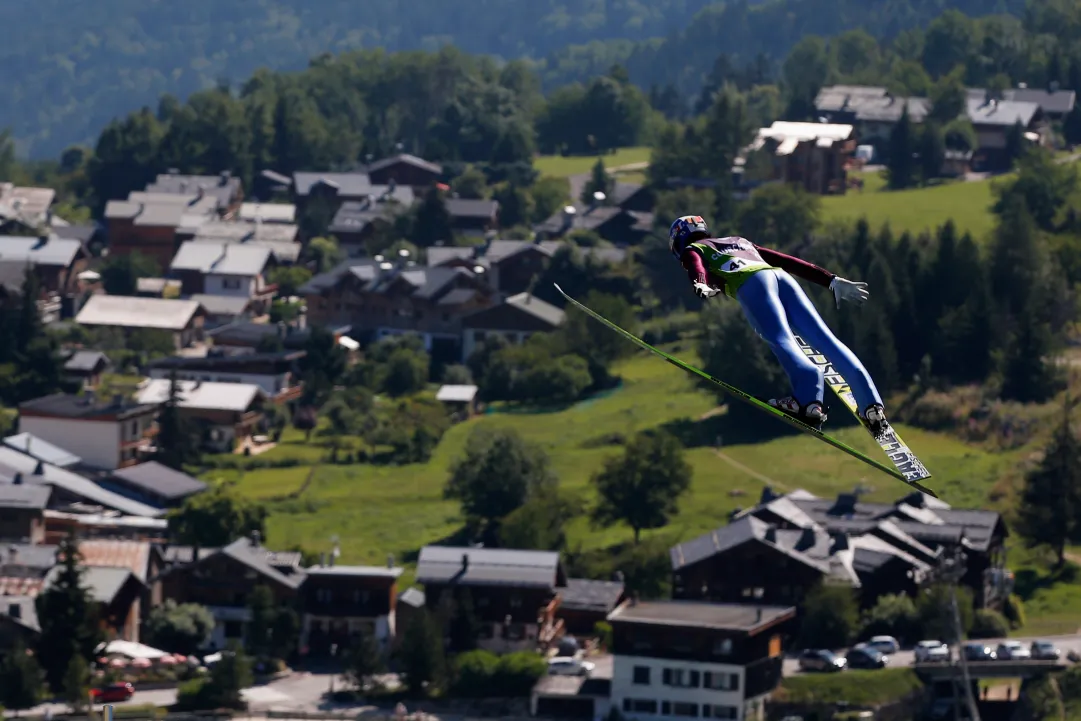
point(900, 161)
point(1050, 508)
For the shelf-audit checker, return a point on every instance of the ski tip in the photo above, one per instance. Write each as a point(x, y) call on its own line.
point(922, 488)
point(559, 289)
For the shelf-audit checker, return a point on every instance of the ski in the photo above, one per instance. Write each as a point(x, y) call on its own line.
point(890, 442)
point(749, 399)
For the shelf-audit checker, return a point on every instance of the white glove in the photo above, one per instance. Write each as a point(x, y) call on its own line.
point(704, 291)
point(849, 290)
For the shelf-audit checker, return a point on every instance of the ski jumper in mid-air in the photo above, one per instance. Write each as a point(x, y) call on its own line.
point(777, 308)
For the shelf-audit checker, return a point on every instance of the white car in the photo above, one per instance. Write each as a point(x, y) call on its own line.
point(931, 652)
point(1013, 651)
point(884, 644)
point(569, 666)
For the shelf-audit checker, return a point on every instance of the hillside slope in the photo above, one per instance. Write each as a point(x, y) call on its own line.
point(71, 67)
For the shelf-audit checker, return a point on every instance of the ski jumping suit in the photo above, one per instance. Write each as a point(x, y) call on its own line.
point(777, 308)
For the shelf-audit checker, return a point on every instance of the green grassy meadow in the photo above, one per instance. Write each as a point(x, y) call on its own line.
point(376, 510)
point(562, 166)
point(968, 204)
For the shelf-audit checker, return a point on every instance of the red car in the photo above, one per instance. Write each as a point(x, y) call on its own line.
point(113, 693)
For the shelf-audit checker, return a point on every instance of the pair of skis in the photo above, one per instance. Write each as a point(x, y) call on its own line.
point(907, 467)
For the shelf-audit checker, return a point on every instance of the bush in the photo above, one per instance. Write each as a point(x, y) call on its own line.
point(1014, 610)
point(477, 673)
point(855, 687)
point(190, 694)
point(893, 615)
point(603, 631)
point(988, 623)
point(830, 617)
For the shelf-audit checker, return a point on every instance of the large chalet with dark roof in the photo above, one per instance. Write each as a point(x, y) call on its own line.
point(277, 374)
point(379, 300)
point(514, 594)
point(776, 551)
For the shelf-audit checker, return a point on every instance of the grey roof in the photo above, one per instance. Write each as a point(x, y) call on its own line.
point(382, 202)
point(104, 582)
point(584, 218)
point(870, 103)
point(1056, 102)
point(222, 231)
point(276, 177)
point(412, 596)
point(52, 250)
point(284, 251)
point(1000, 112)
point(26, 609)
point(458, 296)
point(733, 535)
point(456, 393)
point(128, 312)
point(42, 450)
point(348, 184)
point(25, 202)
point(82, 232)
point(202, 395)
point(406, 158)
point(221, 258)
point(85, 361)
point(222, 304)
point(160, 480)
point(223, 186)
point(694, 614)
point(355, 571)
point(583, 594)
point(268, 212)
point(537, 307)
point(72, 483)
point(28, 556)
point(472, 208)
point(157, 285)
point(255, 557)
point(173, 555)
point(87, 406)
point(23, 496)
point(163, 209)
point(489, 567)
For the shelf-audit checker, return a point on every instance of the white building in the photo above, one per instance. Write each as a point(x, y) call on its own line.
point(104, 434)
point(229, 269)
point(675, 660)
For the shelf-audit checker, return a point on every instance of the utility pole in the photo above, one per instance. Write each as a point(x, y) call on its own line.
point(951, 570)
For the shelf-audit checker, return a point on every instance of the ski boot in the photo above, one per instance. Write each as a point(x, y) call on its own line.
point(874, 417)
point(812, 414)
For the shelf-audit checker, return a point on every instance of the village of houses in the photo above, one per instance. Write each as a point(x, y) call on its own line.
point(80, 461)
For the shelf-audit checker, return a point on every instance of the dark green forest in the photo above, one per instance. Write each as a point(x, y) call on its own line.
point(66, 77)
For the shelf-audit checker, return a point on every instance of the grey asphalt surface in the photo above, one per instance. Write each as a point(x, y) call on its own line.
point(907, 658)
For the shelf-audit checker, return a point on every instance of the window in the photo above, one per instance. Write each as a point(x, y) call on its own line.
point(721, 712)
point(682, 708)
point(680, 678)
point(721, 681)
point(639, 705)
point(230, 283)
point(641, 676)
point(234, 629)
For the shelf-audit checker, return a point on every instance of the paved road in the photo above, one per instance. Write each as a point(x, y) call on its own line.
point(906, 658)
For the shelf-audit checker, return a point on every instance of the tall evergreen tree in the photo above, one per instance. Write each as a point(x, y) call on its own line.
point(900, 154)
point(1050, 510)
point(1015, 142)
point(422, 656)
point(1028, 372)
point(21, 679)
point(68, 617)
point(932, 151)
point(599, 181)
point(178, 439)
point(431, 220)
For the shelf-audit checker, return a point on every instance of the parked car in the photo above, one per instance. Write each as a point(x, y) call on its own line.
point(1013, 651)
point(931, 652)
point(569, 666)
point(113, 693)
point(1045, 651)
point(818, 659)
point(884, 644)
point(979, 651)
point(865, 656)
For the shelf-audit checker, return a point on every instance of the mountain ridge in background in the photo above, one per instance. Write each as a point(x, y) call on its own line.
point(68, 77)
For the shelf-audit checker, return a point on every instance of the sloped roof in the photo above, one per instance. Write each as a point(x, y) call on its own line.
point(202, 394)
point(221, 259)
point(51, 251)
point(104, 582)
point(456, 393)
point(732, 536)
point(72, 483)
point(129, 312)
point(412, 596)
point(42, 450)
point(22, 610)
point(23, 496)
point(348, 184)
point(160, 480)
point(489, 567)
point(472, 208)
point(222, 304)
point(254, 557)
point(113, 553)
point(268, 212)
point(408, 159)
point(584, 594)
point(537, 307)
point(1000, 112)
point(85, 361)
